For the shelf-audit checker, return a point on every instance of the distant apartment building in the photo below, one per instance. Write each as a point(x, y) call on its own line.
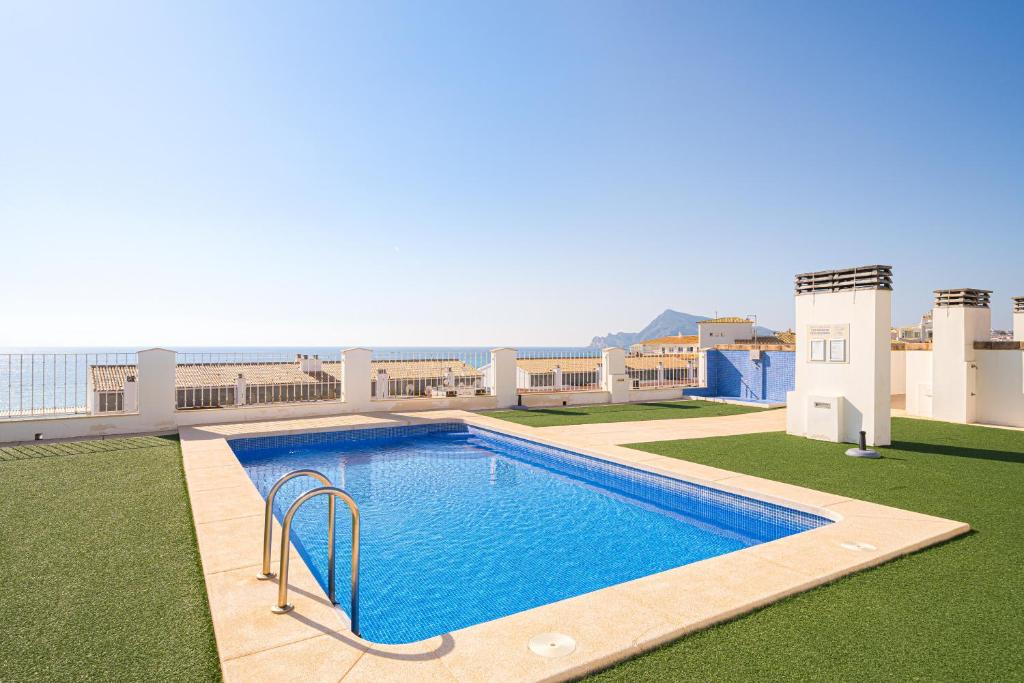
point(729, 330)
point(921, 332)
point(676, 343)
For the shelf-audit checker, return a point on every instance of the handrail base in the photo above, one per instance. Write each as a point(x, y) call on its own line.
point(263, 577)
point(277, 609)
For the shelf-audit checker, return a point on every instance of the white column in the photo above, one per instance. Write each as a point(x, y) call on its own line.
point(156, 391)
point(355, 388)
point(131, 394)
point(503, 376)
point(557, 378)
point(383, 384)
point(661, 373)
point(615, 380)
point(240, 390)
point(954, 366)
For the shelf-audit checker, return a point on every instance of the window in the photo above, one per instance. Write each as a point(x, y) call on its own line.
point(837, 351)
point(818, 350)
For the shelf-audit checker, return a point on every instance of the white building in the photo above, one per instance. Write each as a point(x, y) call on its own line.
point(676, 343)
point(728, 330)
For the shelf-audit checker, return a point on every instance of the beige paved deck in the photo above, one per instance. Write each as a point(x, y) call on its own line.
point(312, 643)
point(664, 430)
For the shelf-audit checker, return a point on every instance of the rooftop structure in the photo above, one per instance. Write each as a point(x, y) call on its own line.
point(845, 279)
point(677, 343)
point(786, 338)
point(1018, 304)
point(972, 298)
point(724, 321)
point(672, 339)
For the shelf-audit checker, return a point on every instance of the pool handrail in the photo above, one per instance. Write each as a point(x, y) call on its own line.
point(283, 605)
point(268, 517)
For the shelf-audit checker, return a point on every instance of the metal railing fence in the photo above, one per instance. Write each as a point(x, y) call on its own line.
point(547, 370)
point(61, 384)
point(430, 373)
point(220, 380)
point(653, 371)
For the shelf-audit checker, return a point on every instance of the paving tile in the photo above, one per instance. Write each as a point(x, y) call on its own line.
point(226, 503)
point(216, 477)
point(698, 595)
point(240, 605)
point(209, 456)
point(313, 660)
point(783, 492)
point(413, 662)
point(606, 626)
point(235, 543)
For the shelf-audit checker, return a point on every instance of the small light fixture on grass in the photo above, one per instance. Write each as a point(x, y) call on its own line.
point(863, 451)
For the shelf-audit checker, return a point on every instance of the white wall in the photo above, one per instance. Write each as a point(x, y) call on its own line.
point(542, 399)
point(711, 334)
point(918, 383)
point(1018, 326)
point(898, 372)
point(864, 381)
point(1000, 398)
point(655, 394)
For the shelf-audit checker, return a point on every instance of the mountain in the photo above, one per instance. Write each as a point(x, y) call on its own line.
point(668, 323)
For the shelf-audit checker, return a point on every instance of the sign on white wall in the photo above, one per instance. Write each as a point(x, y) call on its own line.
point(828, 343)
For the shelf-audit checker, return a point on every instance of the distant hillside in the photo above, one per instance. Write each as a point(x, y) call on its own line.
point(668, 323)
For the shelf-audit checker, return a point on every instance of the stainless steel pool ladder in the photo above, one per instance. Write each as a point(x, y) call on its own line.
point(332, 492)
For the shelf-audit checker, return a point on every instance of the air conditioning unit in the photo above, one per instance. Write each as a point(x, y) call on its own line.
point(825, 418)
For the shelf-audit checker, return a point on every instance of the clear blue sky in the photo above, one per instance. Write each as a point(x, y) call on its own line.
point(482, 173)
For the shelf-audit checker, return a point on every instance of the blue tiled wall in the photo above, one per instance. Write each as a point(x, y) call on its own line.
point(734, 374)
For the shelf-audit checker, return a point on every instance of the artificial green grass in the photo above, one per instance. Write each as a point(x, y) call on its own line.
point(101, 574)
point(623, 412)
point(953, 612)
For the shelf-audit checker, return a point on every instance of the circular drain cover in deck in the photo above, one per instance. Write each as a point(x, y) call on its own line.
point(552, 645)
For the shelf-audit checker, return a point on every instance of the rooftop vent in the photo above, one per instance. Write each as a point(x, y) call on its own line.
point(1018, 304)
point(971, 298)
point(844, 280)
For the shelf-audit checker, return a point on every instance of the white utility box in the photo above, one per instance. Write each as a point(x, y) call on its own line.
point(825, 418)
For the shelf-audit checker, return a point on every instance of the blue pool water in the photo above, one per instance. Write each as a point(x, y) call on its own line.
point(462, 525)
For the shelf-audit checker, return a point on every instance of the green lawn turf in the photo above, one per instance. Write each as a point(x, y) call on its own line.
point(950, 613)
point(623, 412)
point(101, 575)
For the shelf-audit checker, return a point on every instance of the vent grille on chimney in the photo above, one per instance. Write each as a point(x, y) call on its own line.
point(844, 280)
point(1018, 304)
point(973, 298)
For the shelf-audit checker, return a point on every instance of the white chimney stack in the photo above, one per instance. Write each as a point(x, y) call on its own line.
point(960, 318)
point(842, 355)
point(1018, 318)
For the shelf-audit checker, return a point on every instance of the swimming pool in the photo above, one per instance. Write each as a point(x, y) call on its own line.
point(462, 525)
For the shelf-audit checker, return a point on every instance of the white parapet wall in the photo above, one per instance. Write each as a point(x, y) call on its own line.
point(898, 372)
point(1000, 386)
point(843, 356)
point(918, 382)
